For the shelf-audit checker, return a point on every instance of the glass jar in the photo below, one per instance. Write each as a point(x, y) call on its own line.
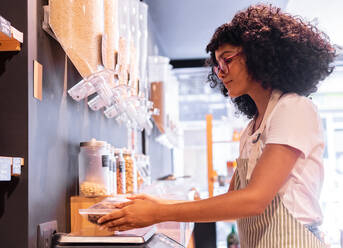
point(120, 167)
point(143, 171)
point(113, 172)
point(93, 168)
point(131, 172)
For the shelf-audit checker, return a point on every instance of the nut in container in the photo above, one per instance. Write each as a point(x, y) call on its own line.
point(131, 172)
point(121, 178)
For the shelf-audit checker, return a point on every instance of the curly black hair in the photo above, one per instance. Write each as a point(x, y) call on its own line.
point(282, 52)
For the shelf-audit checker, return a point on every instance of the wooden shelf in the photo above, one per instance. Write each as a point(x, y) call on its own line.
point(10, 38)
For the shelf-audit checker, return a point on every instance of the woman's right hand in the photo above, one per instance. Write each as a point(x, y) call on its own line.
point(140, 212)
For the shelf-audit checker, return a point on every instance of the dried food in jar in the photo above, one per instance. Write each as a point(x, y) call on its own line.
point(131, 173)
point(121, 178)
point(91, 189)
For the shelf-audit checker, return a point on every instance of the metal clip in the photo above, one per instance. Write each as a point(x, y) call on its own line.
point(257, 138)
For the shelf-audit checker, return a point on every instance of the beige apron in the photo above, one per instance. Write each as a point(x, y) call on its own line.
point(275, 227)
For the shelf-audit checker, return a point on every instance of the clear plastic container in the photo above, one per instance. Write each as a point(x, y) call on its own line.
point(143, 170)
point(106, 206)
point(143, 47)
point(96, 82)
point(123, 64)
point(110, 37)
point(112, 112)
point(93, 168)
point(134, 45)
point(106, 91)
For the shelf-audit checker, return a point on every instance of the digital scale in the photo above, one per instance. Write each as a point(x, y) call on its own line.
point(136, 238)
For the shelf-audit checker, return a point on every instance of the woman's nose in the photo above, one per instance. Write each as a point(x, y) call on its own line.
point(221, 74)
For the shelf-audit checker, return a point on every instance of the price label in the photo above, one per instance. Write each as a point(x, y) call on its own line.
point(16, 170)
point(5, 168)
point(5, 27)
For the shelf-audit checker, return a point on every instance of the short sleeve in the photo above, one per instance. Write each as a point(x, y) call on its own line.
point(295, 122)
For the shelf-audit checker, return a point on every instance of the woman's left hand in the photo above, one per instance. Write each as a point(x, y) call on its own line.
point(133, 214)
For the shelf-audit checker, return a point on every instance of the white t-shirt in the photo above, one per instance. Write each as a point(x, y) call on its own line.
point(295, 122)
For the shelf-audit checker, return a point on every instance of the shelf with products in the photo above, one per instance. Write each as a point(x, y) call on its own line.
point(10, 166)
point(10, 38)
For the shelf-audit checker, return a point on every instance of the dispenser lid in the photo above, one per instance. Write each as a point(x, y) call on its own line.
point(93, 142)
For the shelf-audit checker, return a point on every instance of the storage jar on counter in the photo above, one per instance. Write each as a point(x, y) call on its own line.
point(131, 172)
point(120, 167)
point(94, 160)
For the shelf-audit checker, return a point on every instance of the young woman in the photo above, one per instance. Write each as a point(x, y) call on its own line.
point(268, 63)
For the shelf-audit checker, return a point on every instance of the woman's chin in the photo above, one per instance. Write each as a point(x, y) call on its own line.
point(232, 94)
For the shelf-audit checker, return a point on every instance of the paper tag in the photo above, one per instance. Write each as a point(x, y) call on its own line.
point(16, 166)
point(17, 35)
point(5, 168)
point(105, 161)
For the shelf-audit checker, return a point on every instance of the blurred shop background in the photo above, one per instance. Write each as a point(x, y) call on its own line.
point(182, 32)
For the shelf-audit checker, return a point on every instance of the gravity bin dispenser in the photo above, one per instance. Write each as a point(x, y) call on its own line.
point(106, 40)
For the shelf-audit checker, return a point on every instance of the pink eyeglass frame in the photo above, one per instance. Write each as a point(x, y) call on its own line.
point(218, 69)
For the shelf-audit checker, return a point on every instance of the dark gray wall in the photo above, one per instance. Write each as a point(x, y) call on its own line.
point(14, 131)
point(57, 124)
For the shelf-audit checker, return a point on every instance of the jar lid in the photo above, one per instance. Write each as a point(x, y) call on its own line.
point(116, 150)
point(93, 142)
point(127, 151)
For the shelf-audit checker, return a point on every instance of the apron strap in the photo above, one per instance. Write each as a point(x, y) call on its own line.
point(256, 149)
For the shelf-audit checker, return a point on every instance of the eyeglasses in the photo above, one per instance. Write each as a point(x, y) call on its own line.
point(226, 68)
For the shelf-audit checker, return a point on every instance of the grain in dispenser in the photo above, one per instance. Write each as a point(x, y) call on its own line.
point(79, 26)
